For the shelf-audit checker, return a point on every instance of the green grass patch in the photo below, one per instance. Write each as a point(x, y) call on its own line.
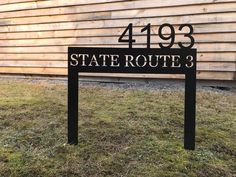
point(129, 133)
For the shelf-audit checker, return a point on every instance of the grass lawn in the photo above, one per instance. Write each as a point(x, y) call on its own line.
point(125, 133)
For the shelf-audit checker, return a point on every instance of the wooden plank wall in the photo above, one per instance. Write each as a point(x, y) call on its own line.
point(35, 34)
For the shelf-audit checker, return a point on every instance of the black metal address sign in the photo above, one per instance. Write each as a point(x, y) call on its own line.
point(163, 60)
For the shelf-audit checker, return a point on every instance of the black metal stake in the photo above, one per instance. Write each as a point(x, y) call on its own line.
point(73, 102)
point(190, 111)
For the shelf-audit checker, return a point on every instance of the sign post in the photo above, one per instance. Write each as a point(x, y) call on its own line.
point(164, 60)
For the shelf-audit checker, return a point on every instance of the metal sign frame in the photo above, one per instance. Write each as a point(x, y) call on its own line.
point(133, 60)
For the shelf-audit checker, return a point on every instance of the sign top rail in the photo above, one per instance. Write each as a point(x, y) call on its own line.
point(132, 60)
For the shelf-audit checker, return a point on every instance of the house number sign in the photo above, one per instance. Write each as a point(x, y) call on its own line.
point(161, 60)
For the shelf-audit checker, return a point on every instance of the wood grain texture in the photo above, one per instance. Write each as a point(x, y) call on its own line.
point(35, 34)
point(17, 1)
point(199, 38)
point(192, 19)
point(204, 47)
point(133, 13)
point(222, 28)
point(63, 72)
point(50, 4)
point(82, 6)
